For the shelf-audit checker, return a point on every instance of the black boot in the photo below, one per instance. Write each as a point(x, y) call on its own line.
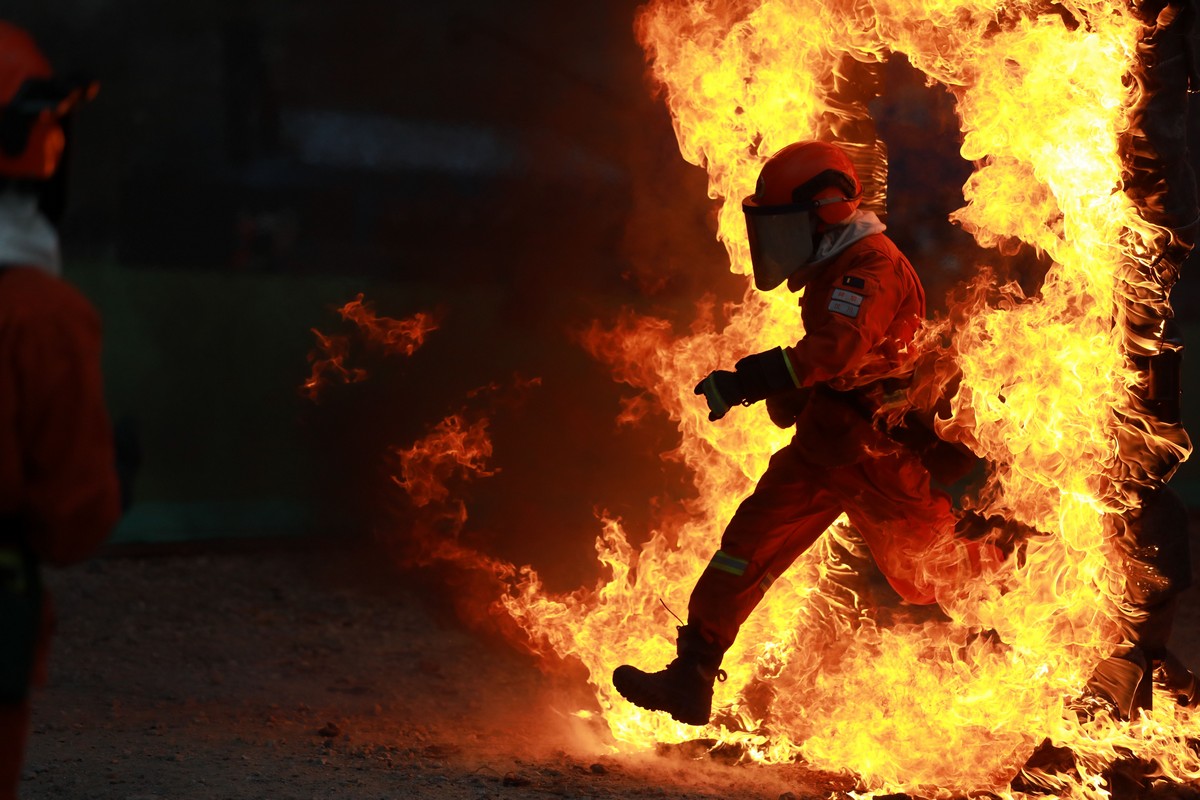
point(1176, 679)
point(685, 688)
point(1121, 684)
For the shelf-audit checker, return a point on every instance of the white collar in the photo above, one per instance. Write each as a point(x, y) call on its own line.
point(26, 237)
point(860, 225)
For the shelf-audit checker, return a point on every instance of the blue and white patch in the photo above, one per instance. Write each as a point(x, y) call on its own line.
point(846, 303)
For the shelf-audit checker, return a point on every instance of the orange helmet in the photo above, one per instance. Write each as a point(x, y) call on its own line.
point(811, 171)
point(800, 182)
point(32, 102)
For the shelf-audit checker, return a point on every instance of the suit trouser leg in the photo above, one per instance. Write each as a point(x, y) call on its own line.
point(909, 527)
point(15, 716)
point(14, 732)
point(782, 517)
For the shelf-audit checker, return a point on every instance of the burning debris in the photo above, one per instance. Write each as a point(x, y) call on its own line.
point(1065, 393)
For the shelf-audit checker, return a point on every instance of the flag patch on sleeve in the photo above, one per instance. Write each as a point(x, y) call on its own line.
point(854, 281)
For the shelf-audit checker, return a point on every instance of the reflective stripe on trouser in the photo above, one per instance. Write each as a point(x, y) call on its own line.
point(724, 562)
point(888, 499)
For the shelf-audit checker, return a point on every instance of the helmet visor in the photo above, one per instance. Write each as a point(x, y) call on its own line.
point(781, 240)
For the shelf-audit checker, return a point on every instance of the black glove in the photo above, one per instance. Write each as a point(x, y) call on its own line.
point(784, 408)
point(723, 391)
point(757, 377)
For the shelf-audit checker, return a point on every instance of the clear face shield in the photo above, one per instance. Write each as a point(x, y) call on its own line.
point(781, 240)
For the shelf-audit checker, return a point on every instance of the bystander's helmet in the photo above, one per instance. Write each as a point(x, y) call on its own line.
point(33, 102)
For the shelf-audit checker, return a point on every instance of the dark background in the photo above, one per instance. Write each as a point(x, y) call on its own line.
point(248, 167)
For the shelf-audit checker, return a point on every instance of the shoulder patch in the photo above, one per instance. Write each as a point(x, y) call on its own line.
point(844, 308)
point(854, 281)
point(853, 298)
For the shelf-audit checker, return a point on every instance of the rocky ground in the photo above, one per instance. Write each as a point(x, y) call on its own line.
point(301, 673)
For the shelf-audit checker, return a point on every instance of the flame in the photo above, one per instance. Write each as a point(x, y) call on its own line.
point(392, 336)
point(432, 472)
point(395, 336)
point(453, 447)
point(935, 707)
point(1045, 392)
point(328, 362)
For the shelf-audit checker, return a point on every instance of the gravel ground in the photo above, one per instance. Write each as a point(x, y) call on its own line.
point(309, 674)
point(304, 674)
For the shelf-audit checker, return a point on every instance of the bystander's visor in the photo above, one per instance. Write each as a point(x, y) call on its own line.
point(781, 240)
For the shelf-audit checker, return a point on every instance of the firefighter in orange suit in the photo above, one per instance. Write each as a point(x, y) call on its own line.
point(59, 497)
point(861, 306)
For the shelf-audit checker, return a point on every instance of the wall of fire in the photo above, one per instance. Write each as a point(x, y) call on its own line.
point(248, 166)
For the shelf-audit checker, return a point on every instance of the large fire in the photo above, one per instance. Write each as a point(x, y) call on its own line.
point(931, 708)
point(934, 707)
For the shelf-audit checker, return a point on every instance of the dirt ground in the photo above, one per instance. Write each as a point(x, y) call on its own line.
point(304, 673)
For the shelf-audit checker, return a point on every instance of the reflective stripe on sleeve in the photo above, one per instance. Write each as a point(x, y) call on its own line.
point(791, 369)
point(727, 563)
point(716, 403)
point(766, 582)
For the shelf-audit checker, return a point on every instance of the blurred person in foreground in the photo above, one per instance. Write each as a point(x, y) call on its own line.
point(862, 304)
point(59, 495)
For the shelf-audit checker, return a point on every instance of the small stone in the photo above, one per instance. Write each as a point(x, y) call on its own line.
point(513, 779)
point(600, 769)
point(441, 751)
point(330, 730)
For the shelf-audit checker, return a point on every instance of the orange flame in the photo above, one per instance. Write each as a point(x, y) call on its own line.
point(328, 362)
point(393, 336)
point(453, 447)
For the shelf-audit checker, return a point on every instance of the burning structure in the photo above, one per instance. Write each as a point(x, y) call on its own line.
point(1072, 114)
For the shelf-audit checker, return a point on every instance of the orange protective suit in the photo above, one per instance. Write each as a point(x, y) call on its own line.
point(859, 314)
point(59, 496)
